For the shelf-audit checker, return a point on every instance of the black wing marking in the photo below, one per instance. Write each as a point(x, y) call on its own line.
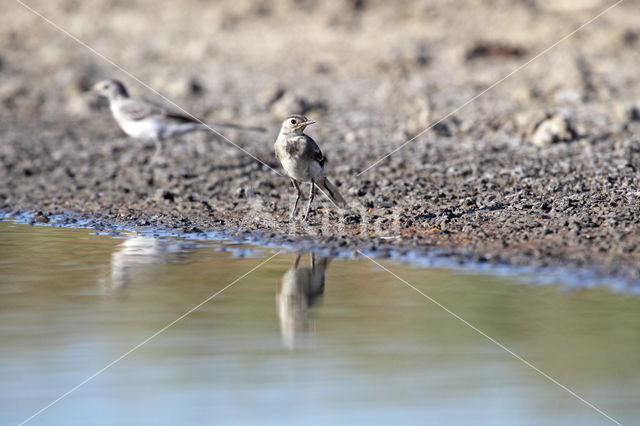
point(315, 151)
point(183, 118)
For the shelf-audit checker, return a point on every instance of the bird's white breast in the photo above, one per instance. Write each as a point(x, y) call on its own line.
point(145, 129)
point(297, 169)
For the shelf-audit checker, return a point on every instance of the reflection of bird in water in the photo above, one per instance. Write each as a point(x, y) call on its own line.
point(131, 254)
point(301, 288)
point(139, 258)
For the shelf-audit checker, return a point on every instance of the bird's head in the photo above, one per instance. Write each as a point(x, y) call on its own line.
point(295, 123)
point(111, 89)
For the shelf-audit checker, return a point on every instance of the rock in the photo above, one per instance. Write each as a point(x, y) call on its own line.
point(552, 130)
point(240, 192)
point(630, 38)
point(628, 113)
point(482, 50)
point(523, 94)
point(349, 218)
point(419, 117)
point(40, 217)
point(290, 103)
point(446, 128)
point(164, 195)
point(528, 120)
point(184, 87)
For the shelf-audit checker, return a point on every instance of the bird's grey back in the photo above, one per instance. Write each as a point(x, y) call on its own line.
point(137, 109)
point(134, 109)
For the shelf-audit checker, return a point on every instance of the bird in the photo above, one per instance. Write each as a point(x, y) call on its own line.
point(301, 289)
point(150, 122)
point(303, 161)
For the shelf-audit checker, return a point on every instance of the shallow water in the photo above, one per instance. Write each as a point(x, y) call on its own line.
point(319, 341)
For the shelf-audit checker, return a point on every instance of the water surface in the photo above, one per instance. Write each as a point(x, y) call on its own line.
point(304, 339)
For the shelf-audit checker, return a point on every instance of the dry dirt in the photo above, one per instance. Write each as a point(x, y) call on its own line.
point(542, 169)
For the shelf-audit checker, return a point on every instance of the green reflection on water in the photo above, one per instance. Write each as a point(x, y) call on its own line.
point(300, 340)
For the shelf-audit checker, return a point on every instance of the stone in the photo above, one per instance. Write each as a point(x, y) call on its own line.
point(552, 130)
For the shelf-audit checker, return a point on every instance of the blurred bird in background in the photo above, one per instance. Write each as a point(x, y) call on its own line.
point(150, 122)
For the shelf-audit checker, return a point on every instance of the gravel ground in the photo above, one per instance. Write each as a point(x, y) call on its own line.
point(540, 170)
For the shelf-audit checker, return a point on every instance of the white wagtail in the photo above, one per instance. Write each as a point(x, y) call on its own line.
point(302, 159)
point(149, 122)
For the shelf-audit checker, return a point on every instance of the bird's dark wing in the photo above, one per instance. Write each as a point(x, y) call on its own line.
point(139, 110)
point(178, 116)
point(315, 152)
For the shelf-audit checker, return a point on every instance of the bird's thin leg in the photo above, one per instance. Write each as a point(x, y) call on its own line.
point(297, 261)
point(158, 154)
point(311, 194)
point(298, 195)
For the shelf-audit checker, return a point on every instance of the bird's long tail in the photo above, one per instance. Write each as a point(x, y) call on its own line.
point(235, 126)
point(331, 192)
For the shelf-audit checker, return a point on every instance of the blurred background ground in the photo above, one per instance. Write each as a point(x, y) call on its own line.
point(541, 169)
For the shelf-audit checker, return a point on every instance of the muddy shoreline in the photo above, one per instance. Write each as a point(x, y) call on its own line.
point(575, 276)
point(541, 171)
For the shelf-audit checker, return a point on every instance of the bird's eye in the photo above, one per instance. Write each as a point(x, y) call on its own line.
point(293, 121)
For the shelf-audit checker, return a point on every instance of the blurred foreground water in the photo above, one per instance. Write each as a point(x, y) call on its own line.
point(304, 339)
